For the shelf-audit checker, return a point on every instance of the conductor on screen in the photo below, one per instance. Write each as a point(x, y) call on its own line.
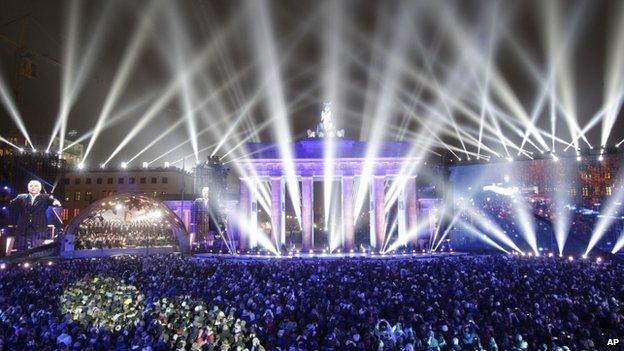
point(30, 211)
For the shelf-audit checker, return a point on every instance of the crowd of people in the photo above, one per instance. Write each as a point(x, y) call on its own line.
point(114, 234)
point(182, 303)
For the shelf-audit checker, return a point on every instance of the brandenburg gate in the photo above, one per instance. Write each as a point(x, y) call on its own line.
point(265, 164)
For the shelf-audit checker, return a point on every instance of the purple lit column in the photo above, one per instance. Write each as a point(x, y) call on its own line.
point(232, 236)
point(245, 213)
point(348, 222)
point(411, 201)
point(401, 215)
point(307, 214)
point(378, 198)
point(277, 208)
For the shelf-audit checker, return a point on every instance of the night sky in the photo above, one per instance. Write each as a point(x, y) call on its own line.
point(368, 31)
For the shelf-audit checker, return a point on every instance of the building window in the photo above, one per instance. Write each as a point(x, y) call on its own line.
point(65, 214)
point(142, 180)
point(163, 193)
point(585, 191)
point(66, 181)
point(77, 181)
point(154, 180)
point(104, 193)
point(131, 180)
point(99, 181)
point(76, 212)
point(608, 191)
point(67, 196)
point(164, 180)
point(120, 180)
point(88, 196)
point(88, 181)
point(109, 180)
point(154, 194)
point(77, 196)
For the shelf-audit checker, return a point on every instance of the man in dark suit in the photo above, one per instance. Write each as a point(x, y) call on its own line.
point(202, 222)
point(30, 212)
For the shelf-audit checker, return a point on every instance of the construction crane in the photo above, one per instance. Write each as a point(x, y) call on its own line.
point(23, 56)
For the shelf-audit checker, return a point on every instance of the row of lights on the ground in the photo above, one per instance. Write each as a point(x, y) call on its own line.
point(26, 265)
point(325, 252)
point(551, 255)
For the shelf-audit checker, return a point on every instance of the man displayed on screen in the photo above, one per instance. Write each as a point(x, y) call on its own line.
point(201, 219)
point(30, 213)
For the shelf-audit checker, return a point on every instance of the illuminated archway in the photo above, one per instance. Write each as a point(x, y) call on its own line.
point(126, 222)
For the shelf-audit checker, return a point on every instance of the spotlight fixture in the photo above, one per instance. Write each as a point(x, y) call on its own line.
point(102, 166)
point(578, 158)
point(81, 165)
point(601, 158)
point(145, 165)
point(598, 259)
point(167, 164)
point(124, 165)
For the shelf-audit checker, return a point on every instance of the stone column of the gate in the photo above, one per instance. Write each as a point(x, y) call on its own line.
point(411, 200)
point(401, 213)
point(277, 211)
point(307, 213)
point(252, 230)
point(233, 236)
point(245, 216)
point(379, 213)
point(348, 221)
